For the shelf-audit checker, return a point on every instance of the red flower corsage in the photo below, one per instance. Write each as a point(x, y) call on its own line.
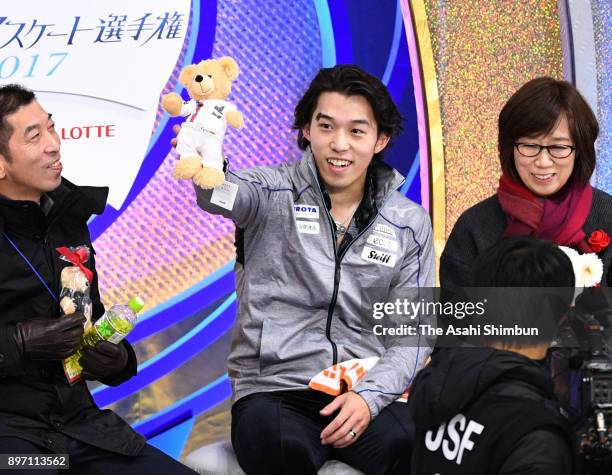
point(599, 240)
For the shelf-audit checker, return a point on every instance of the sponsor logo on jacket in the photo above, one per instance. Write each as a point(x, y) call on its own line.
point(384, 229)
point(382, 242)
point(378, 257)
point(307, 227)
point(454, 437)
point(306, 211)
point(305, 216)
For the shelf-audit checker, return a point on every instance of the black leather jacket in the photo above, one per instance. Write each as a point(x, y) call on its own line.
point(36, 401)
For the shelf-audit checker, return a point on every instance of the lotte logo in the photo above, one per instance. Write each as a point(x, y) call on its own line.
point(88, 132)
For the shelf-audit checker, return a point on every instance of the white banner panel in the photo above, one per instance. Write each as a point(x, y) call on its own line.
point(99, 68)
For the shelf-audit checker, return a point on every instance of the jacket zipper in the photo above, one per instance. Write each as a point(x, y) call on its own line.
point(338, 261)
point(332, 304)
point(49, 252)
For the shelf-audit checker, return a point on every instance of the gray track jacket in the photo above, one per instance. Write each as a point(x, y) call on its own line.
point(300, 304)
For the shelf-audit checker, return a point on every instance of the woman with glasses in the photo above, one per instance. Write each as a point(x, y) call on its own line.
point(546, 143)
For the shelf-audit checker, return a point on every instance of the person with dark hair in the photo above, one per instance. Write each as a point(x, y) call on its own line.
point(546, 144)
point(490, 409)
point(13, 97)
point(311, 236)
point(40, 411)
point(349, 81)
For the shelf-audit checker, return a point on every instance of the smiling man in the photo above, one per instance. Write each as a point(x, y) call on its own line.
point(37, 168)
point(40, 412)
point(310, 238)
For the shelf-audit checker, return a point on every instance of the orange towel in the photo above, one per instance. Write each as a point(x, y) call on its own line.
point(341, 377)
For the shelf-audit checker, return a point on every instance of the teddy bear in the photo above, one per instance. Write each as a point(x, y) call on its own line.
point(208, 115)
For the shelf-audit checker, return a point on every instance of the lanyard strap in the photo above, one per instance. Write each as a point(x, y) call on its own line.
point(31, 267)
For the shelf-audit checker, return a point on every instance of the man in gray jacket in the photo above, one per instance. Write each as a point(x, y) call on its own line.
point(312, 238)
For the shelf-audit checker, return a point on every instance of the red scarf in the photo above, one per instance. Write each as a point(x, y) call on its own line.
point(557, 220)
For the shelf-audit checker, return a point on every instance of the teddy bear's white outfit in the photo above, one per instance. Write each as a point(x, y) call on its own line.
point(203, 131)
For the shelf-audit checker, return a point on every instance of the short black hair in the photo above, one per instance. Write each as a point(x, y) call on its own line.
point(12, 97)
point(349, 80)
point(535, 109)
point(534, 287)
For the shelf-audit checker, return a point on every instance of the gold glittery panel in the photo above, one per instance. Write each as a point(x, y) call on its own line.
point(434, 126)
point(484, 50)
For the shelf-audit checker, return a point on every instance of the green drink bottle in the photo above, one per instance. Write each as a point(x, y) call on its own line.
point(113, 326)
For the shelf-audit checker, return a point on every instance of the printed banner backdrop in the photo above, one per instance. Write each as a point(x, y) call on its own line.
point(100, 69)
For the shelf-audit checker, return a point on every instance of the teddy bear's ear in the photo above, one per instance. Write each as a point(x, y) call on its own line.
point(187, 74)
point(230, 67)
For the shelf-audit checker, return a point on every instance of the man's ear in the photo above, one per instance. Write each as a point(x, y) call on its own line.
point(306, 132)
point(381, 143)
point(4, 163)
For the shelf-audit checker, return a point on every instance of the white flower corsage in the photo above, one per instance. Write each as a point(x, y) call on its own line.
point(588, 268)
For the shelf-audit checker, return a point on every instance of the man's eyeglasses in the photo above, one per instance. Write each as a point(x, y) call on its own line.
point(533, 150)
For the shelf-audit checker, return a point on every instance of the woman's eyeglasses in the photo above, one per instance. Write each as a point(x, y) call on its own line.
point(531, 150)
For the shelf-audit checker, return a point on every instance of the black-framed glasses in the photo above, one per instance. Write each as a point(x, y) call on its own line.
point(531, 150)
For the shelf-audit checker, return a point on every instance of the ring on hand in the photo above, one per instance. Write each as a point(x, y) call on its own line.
point(353, 433)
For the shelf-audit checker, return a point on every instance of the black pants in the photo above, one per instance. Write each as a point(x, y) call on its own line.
point(88, 460)
point(279, 433)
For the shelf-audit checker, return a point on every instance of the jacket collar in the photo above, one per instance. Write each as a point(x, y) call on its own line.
point(90, 199)
point(67, 199)
point(384, 180)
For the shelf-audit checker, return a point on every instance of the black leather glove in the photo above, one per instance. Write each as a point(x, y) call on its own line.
point(49, 338)
point(104, 360)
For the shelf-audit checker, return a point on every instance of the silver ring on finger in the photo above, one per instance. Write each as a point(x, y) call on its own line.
point(352, 433)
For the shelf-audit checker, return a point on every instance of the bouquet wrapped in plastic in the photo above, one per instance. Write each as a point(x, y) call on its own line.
point(76, 280)
point(74, 296)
